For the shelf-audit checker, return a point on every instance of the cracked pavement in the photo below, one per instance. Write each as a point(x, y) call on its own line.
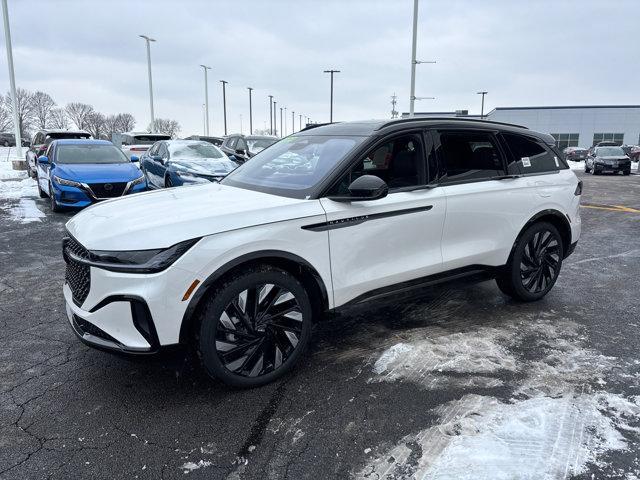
point(67, 411)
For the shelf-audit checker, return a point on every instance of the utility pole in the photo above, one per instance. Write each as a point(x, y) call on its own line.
point(12, 80)
point(482, 108)
point(275, 117)
point(153, 120)
point(270, 114)
point(250, 113)
point(331, 101)
point(224, 103)
point(206, 98)
point(414, 62)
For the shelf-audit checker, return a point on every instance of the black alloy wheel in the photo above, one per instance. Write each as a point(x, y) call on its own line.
point(255, 327)
point(534, 265)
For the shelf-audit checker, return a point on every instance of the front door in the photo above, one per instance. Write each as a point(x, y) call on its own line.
point(378, 244)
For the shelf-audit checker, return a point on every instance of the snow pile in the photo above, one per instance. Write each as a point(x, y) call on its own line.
point(17, 189)
point(26, 211)
point(554, 424)
point(7, 171)
point(576, 165)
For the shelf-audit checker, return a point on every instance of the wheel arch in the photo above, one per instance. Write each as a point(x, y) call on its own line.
point(292, 263)
point(555, 218)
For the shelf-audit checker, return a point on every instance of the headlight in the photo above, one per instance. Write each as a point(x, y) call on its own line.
point(191, 177)
point(136, 261)
point(137, 181)
point(64, 181)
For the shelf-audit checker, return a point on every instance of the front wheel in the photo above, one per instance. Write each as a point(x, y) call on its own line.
point(41, 193)
point(254, 327)
point(535, 264)
point(627, 172)
point(52, 200)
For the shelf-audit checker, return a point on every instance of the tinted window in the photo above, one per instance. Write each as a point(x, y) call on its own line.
point(89, 154)
point(241, 145)
point(195, 150)
point(470, 156)
point(399, 162)
point(232, 142)
point(148, 139)
point(530, 155)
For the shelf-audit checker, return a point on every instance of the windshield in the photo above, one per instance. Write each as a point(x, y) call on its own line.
point(293, 166)
point(609, 152)
point(195, 150)
point(148, 139)
point(258, 144)
point(90, 154)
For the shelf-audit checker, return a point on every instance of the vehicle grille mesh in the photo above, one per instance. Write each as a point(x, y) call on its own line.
point(108, 190)
point(77, 275)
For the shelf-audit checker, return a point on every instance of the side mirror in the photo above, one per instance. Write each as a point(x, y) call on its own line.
point(156, 158)
point(366, 187)
point(240, 151)
point(43, 159)
point(135, 158)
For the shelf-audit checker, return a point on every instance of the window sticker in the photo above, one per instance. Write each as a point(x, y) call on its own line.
point(526, 162)
point(556, 160)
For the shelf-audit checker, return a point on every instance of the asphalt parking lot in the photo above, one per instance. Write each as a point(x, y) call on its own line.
point(462, 383)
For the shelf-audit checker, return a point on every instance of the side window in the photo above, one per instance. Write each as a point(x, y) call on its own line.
point(49, 152)
point(400, 162)
point(232, 143)
point(242, 145)
point(530, 156)
point(163, 151)
point(469, 156)
point(38, 140)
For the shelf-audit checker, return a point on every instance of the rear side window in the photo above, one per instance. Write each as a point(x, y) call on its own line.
point(469, 156)
point(530, 156)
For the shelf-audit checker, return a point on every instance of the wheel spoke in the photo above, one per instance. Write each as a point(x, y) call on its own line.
point(270, 298)
point(283, 308)
point(237, 333)
point(251, 305)
point(234, 311)
point(286, 324)
point(233, 354)
point(252, 359)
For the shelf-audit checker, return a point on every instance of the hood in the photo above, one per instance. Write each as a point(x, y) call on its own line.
point(97, 172)
point(205, 166)
point(165, 217)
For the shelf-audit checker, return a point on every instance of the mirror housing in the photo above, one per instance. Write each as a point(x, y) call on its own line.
point(43, 159)
point(156, 158)
point(135, 158)
point(240, 151)
point(366, 187)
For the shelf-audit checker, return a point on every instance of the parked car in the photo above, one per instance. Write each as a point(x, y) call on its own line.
point(627, 149)
point(41, 141)
point(77, 173)
point(9, 140)
point(607, 159)
point(635, 153)
point(333, 216)
point(241, 148)
point(171, 163)
point(136, 143)
point(217, 141)
point(575, 154)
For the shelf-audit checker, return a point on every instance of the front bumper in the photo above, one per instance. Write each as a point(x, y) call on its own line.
point(620, 166)
point(67, 196)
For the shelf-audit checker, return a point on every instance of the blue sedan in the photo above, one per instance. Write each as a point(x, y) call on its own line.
point(77, 173)
point(170, 163)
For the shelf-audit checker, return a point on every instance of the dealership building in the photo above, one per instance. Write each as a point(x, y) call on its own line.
point(572, 126)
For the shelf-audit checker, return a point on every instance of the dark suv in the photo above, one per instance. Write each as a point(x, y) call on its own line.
point(241, 148)
point(41, 141)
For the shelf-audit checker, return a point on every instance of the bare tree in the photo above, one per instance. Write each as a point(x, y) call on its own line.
point(58, 119)
point(78, 113)
point(125, 122)
point(166, 126)
point(111, 125)
point(42, 106)
point(6, 122)
point(95, 124)
point(25, 109)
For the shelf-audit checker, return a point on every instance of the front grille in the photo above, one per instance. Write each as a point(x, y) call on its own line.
point(108, 190)
point(77, 275)
point(85, 327)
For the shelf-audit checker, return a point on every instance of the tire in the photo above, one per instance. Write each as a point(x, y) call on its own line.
point(627, 172)
point(534, 265)
point(40, 191)
point(167, 182)
point(586, 169)
point(268, 343)
point(594, 171)
point(52, 200)
point(6, 144)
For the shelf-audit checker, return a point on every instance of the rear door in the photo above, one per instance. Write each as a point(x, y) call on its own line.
point(378, 244)
point(486, 198)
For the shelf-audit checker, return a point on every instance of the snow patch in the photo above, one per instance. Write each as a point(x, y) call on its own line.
point(26, 211)
point(576, 165)
point(16, 189)
point(189, 467)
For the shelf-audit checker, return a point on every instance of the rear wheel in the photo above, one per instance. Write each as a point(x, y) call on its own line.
point(254, 327)
point(627, 172)
point(167, 182)
point(535, 264)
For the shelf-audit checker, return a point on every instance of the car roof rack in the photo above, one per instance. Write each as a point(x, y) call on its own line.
point(447, 119)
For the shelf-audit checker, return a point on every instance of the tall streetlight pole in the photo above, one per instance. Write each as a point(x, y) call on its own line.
point(12, 80)
point(204, 121)
point(270, 114)
point(293, 121)
point(281, 122)
point(250, 113)
point(284, 128)
point(275, 117)
point(148, 40)
point(482, 108)
point(206, 98)
point(414, 62)
point(331, 101)
point(224, 103)
point(300, 121)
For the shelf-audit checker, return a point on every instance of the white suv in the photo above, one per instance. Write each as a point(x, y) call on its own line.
point(333, 215)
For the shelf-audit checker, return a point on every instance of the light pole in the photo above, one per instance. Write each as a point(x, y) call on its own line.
point(148, 40)
point(204, 121)
point(300, 121)
point(284, 128)
point(250, 113)
point(482, 108)
point(224, 103)
point(280, 121)
point(206, 98)
point(275, 117)
point(293, 121)
point(331, 101)
point(414, 62)
point(270, 114)
point(12, 80)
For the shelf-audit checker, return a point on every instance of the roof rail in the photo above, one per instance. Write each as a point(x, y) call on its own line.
point(309, 126)
point(447, 119)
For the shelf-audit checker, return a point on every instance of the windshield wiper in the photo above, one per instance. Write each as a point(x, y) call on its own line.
point(505, 177)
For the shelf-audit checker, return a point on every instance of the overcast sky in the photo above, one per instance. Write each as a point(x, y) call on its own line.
point(523, 52)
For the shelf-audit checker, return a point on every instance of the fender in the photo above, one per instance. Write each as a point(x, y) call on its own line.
point(560, 221)
point(187, 318)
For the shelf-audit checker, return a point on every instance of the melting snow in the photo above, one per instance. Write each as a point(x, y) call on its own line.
point(26, 211)
point(189, 467)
